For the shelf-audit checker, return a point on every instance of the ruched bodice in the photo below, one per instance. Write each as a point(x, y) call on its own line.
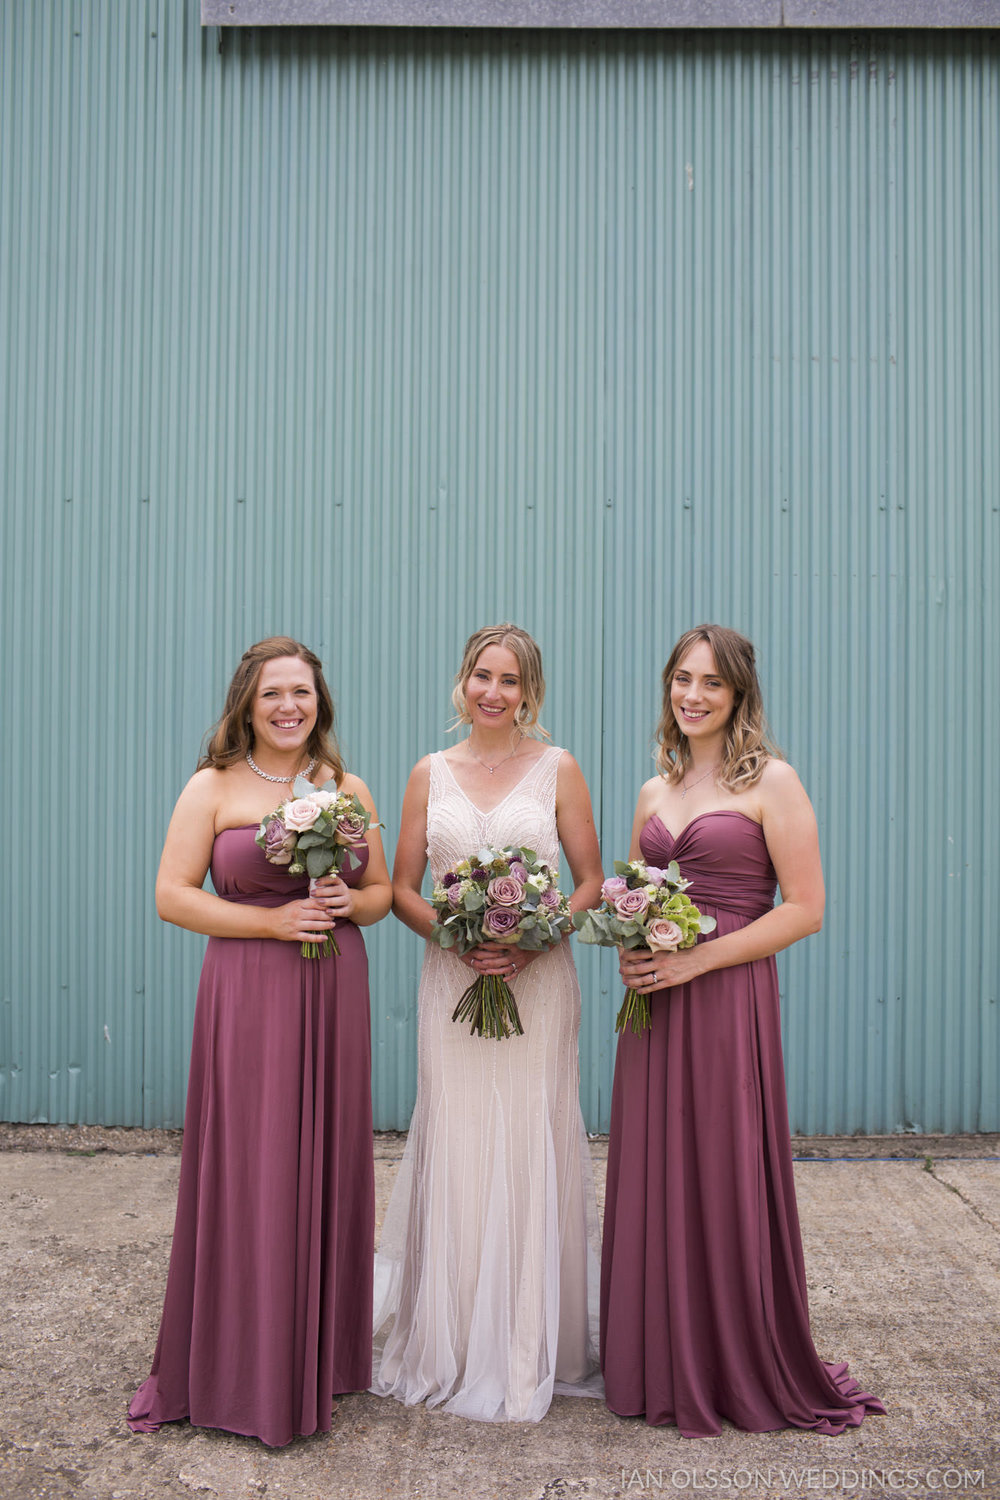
point(726, 861)
point(241, 873)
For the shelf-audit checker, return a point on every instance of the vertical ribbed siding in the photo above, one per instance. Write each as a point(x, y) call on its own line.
point(376, 337)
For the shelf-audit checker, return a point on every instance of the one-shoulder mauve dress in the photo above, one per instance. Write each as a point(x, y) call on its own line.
point(267, 1315)
point(704, 1312)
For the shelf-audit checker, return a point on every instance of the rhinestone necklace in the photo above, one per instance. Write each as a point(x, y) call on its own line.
point(255, 767)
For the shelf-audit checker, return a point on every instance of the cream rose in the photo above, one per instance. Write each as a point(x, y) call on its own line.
point(663, 936)
point(301, 814)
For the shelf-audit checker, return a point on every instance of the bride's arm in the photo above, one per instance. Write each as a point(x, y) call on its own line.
point(411, 854)
point(577, 834)
point(187, 854)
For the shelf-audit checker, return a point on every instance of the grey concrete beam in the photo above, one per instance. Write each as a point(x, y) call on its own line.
point(821, 15)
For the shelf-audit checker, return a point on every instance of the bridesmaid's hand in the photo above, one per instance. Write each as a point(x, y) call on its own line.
point(498, 958)
point(337, 898)
point(300, 922)
point(646, 972)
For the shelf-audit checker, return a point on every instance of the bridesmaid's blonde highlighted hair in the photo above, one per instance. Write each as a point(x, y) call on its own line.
point(529, 659)
point(233, 736)
point(748, 745)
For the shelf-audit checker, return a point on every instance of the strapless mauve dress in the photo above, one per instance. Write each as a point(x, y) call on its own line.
point(704, 1313)
point(267, 1313)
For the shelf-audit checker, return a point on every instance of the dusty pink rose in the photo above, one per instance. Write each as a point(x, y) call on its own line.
point(278, 843)
point(301, 814)
point(632, 904)
point(500, 924)
point(351, 829)
point(655, 876)
point(663, 936)
point(613, 887)
point(505, 891)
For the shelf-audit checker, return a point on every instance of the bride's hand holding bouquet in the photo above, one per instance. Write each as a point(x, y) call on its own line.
point(498, 909)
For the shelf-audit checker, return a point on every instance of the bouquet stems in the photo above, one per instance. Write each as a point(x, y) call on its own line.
point(634, 1013)
point(324, 949)
point(489, 1004)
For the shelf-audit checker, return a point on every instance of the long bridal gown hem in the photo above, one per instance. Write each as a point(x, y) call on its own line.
point(487, 1275)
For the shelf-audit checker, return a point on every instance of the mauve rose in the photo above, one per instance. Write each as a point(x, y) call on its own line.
point(301, 814)
point(631, 904)
point(505, 891)
point(454, 894)
point(654, 876)
point(550, 897)
point(278, 843)
point(613, 887)
point(663, 935)
point(519, 871)
point(351, 829)
point(500, 924)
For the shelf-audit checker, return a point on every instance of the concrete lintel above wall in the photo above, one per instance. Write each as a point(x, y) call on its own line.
point(608, 14)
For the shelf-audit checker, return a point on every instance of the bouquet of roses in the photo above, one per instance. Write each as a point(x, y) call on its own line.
point(500, 896)
point(642, 907)
point(313, 832)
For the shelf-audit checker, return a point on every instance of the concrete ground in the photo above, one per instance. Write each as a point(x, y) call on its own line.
point(902, 1244)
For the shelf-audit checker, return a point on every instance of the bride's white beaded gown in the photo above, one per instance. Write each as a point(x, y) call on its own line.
point(486, 1279)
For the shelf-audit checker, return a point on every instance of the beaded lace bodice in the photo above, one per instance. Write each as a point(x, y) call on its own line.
point(456, 827)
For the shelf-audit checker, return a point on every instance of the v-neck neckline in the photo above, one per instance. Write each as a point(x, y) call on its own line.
point(488, 812)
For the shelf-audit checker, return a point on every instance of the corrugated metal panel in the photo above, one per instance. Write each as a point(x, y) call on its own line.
point(373, 338)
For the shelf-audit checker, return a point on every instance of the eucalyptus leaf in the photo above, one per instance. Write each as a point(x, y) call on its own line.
point(317, 862)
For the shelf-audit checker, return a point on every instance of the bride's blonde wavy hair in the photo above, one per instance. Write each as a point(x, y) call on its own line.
point(748, 745)
point(529, 659)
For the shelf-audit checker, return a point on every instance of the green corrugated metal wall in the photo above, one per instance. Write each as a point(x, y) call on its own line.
point(373, 337)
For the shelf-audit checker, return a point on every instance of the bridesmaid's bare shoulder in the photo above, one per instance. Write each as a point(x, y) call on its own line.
point(650, 797)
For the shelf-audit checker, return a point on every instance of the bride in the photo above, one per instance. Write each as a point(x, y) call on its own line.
point(487, 1273)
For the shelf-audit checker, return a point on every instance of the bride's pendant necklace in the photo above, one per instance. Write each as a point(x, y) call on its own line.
point(502, 759)
point(280, 779)
point(685, 789)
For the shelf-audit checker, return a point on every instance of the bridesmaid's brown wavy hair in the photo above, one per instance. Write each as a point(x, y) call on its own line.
point(529, 659)
point(748, 740)
point(233, 735)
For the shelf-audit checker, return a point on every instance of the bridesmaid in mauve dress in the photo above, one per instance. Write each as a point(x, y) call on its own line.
point(267, 1314)
point(704, 1313)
